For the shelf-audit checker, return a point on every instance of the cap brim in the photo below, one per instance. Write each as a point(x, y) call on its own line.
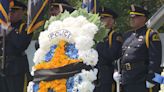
point(132, 15)
point(16, 7)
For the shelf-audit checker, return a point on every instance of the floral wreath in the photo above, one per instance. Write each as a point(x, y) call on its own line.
point(66, 59)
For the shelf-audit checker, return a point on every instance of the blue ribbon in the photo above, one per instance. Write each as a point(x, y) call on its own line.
point(158, 78)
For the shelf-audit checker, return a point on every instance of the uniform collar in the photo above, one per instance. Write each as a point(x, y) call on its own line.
point(16, 24)
point(140, 29)
point(110, 30)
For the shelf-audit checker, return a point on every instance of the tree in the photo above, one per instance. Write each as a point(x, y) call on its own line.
point(122, 8)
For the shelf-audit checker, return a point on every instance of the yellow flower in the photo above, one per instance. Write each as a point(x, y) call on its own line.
point(58, 60)
point(56, 85)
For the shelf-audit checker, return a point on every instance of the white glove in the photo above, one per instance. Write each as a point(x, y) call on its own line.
point(117, 76)
point(149, 85)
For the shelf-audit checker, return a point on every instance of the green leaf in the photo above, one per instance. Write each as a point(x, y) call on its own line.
point(101, 34)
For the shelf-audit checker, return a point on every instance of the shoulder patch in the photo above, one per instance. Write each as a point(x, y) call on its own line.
point(155, 37)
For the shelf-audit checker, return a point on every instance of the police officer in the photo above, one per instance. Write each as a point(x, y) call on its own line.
point(141, 54)
point(16, 65)
point(108, 51)
point(57, 7)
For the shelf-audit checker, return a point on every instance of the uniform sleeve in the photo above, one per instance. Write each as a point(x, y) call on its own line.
point(155, 55)
point(37, 45)
point(114, 52)
point(117, 46)
point(21, 40)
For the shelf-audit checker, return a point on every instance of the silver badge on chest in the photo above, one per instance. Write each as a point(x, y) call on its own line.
point(140, 38)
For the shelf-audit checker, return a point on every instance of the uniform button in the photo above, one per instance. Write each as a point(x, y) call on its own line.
point(128, 47)
point(126, 55)
point(151, 62)
point(150, 71)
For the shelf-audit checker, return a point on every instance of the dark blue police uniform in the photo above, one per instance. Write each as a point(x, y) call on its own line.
point(141, 57)
point(108, 51)
point(16, 65)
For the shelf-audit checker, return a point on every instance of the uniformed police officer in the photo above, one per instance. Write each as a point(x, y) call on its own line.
point(108, 51)
point(16, 65)
point(57, 7)
point(141, 54)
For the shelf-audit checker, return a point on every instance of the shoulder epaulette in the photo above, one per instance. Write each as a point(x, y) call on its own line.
point(21, 27)
point(110, 38)
point(147, 37)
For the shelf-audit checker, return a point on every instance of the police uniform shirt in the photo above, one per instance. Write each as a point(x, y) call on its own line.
point(139, 62)
point(17, 42)
point(107, 54)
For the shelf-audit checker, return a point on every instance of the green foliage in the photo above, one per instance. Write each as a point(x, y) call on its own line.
point(76, 3)
point(122, 8)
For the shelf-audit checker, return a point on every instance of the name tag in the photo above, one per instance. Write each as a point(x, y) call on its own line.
point(140, 38)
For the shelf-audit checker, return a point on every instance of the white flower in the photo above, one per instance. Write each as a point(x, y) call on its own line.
point(89, 75)
point(83, 43)
point(32, 71)
point(74, 34)
point(30, 87)
point(86, 86)
point(39, 56)
point(83, 81)
point(80, 20)
point(89, 57)
point(90, 28)
point(55, 26)
point(162, 85)
point(75, 89)
point(44, 40)
point(87, 30)
point(162, 74)
point(162, 88)
point(84, 33)
point(68, 22)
